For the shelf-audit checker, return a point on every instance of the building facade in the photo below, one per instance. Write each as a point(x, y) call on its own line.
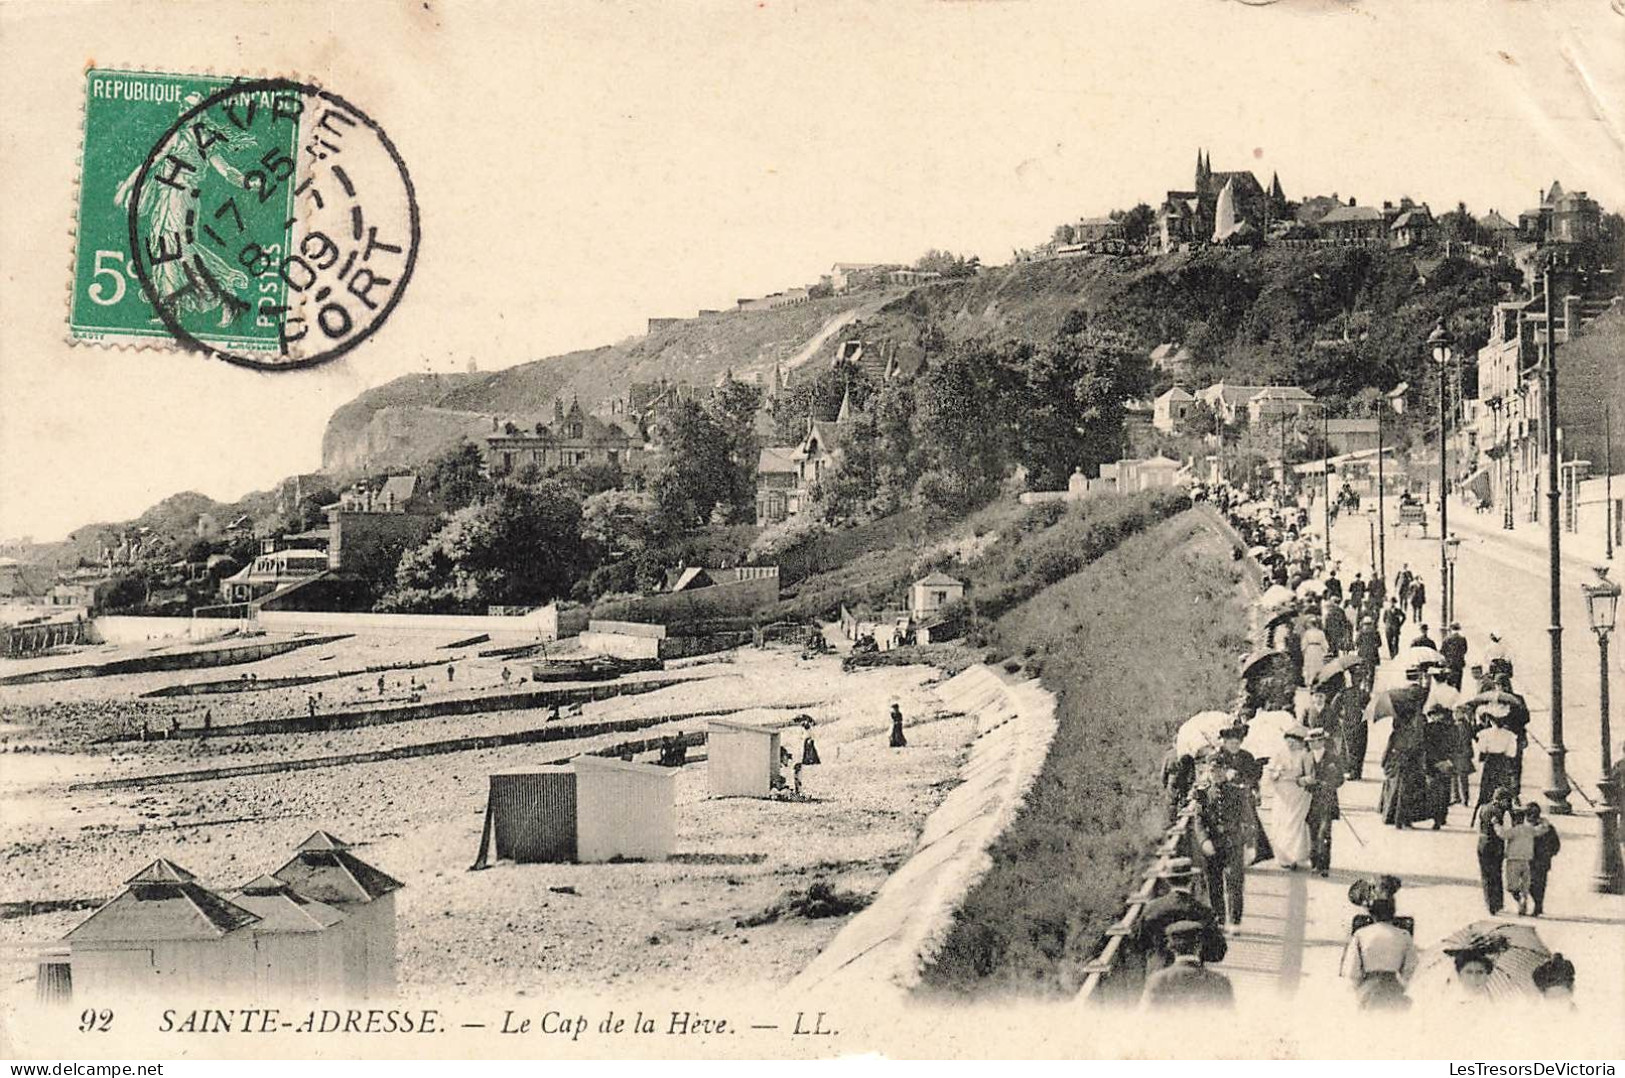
point(1170, 410)
point(268, 572)
point(574, 438)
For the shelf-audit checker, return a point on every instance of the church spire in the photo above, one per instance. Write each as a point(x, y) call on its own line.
point(1199, 176)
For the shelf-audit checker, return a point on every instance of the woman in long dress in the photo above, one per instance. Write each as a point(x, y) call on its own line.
point(1497, 749)
point(1289, 813)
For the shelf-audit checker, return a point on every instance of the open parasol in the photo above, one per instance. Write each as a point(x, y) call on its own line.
point(1254, 664)
point(1336, 665)
point(1442, 694)
point(1276, 597)
point(1200, 731)
point(1389, 703)
point(1266, 733)
point(1418, 655)
point(1515, 949)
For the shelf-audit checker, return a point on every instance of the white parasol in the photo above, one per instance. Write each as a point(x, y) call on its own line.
point(1278, 596)
point(1200, 731)
point(1418, 655)
point(1265, 732)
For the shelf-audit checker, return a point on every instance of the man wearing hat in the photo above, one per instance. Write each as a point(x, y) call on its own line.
point(1324, 807)
point(1393, 620)
point(1334, 586)
point(1335, 623)
point(1226, 821)
point(1187, 982)
point(1497, 658)
point(1454, 649)
point(1178, 904)
point(1368, 645)
point(1357, 590)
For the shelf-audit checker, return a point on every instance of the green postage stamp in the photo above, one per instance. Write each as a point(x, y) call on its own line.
point(266, 223)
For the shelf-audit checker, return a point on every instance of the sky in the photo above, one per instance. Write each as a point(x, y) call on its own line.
point(582, 167)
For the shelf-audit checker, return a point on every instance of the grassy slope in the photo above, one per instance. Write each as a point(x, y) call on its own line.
point(1132, 645)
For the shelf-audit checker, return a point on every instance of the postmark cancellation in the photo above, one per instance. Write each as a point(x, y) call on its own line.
point(267, 223)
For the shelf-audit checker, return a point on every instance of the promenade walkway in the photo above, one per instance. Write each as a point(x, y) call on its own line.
point(1290, 943)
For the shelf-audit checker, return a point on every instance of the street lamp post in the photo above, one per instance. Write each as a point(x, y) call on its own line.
point(1382, 537)
point(1557, 794)
point(1326, 475)
point(1371, 528)
point(1506, 468)
point(1602, 602)
point(1607, 481)
point(1440, 342)
point(1452, 551)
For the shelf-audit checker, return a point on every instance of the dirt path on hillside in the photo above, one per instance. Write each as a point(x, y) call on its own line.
point(839, 322)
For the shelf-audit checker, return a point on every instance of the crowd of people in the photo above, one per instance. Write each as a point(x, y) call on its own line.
point(1299, 729)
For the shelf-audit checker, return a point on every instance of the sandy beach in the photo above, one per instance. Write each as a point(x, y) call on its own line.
point(519, 928)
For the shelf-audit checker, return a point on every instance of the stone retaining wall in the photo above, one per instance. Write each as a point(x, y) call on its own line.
point(885, 947)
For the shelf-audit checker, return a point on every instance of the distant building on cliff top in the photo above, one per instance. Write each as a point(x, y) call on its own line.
point(1192, 215)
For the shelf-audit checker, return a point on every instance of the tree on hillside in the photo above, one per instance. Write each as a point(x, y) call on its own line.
point(589, 479)
point(1072, 414)
point(621, 523)
point(1458, 225)
point(456, 478)
point(948, 264)
point(1137, 222)
point(733, 406)
point(963, 423)
point(701, 469)
point(1063, 234)
point(624, 529)
point(520, 547)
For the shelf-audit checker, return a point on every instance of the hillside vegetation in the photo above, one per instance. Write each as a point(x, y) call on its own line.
point(1135, 642)
point(1246, 316)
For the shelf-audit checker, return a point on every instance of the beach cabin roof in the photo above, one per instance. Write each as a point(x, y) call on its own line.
point(163, 902)
point(323, 868)
point(282, 909)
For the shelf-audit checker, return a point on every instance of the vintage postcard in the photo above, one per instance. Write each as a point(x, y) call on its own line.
point(801, 531)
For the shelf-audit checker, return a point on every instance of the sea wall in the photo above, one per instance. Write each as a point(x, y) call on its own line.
point(541, 624)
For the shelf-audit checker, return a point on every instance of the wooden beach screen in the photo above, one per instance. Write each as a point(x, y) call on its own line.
point(530, 816)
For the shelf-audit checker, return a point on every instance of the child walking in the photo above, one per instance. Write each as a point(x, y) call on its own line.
point(1519, 835)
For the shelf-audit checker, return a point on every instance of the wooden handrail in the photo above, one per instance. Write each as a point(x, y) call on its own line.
point(1107, 962)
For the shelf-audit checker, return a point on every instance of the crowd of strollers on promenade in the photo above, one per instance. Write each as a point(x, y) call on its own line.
point(1299, 730)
